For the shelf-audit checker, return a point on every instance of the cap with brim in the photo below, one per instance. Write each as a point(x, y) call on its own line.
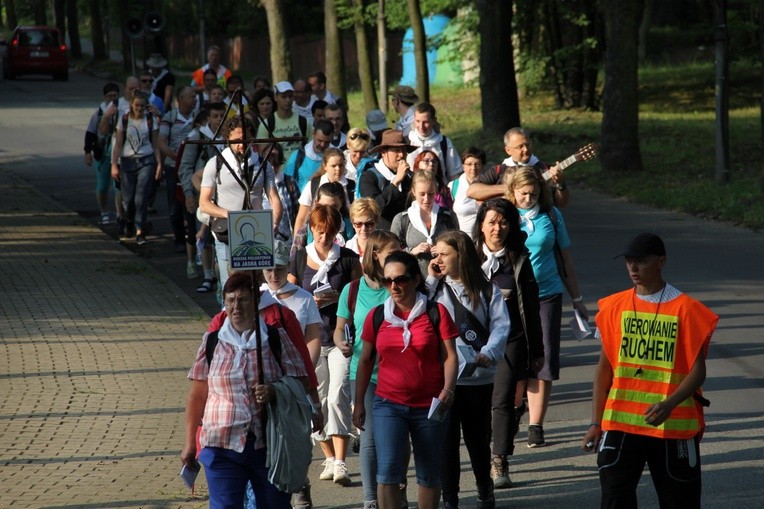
point(644, 244)
point(405, 94)
point(156, 60)
point(283, 86)
point(392, 139)
point(376, 120)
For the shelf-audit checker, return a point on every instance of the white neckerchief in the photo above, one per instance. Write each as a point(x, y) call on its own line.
point(341, 142)
point(491, 263)
point(324, 266)
point(396, 321)
point(247, 340)
point(533, 161)
point(207, 132)
point(156, 80)
point(185, 120)
point(385, 172)
point(527, 217)
point(429, 141)
point(415, 218)
point(310, 152)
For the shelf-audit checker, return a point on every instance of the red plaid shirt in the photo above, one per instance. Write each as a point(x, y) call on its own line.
point(231, 410)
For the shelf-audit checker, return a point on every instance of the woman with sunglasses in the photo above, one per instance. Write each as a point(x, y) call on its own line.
point(549, 246)
point(424, 220)
point(505, 261)
point(352, 311)
point(358, 141)
point(324, 265)
point(429, 160)
point(477, 305)
point(364, 216)
point(417, 365)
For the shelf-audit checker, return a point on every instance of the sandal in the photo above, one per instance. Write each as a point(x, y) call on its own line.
point(207, 286)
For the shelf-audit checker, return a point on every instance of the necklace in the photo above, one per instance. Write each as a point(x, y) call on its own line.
point(638, 372)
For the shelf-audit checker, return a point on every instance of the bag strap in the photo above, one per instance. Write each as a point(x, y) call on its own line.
point(300, 260)
point(557, 251)
point(467, 319)
point(274, 341)
point(298, 160)
point(433, 312)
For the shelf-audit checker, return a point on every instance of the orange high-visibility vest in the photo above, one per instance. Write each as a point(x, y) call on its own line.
point(650, 355)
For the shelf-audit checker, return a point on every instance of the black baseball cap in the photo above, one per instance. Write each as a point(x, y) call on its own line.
point(644, 244)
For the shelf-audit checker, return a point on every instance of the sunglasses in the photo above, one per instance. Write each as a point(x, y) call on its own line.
point(398, 280)
point(363, 136)
point(360, 224)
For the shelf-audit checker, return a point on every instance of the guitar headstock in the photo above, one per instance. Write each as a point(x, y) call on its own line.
point(587, 152)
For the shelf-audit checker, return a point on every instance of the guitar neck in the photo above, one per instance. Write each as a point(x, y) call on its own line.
point(560, 166)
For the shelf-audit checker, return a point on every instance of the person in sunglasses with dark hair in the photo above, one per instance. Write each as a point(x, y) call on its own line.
point(410, 345)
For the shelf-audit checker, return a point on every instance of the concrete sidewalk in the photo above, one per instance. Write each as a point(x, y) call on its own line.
point(97, 343)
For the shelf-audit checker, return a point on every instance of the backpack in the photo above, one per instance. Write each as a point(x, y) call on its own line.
point(557, 251)
point(149, 123)
point(102, 140)
point(349, 188)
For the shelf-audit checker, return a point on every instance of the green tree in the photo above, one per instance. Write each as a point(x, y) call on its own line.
point(10, 14)
point(365, 73)
point(281, 62)
point(420, 50)
point(73, 25)
point(96, 29)
point(335, 75)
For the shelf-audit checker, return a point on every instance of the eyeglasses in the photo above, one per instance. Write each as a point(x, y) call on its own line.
point(360, 224)
point(363, 136)
point(146, 80)
point(428, 162)
point(398, 280)
point(230, 301)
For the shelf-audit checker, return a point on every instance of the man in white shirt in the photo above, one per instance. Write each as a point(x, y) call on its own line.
point(317, 82)
point(403, 99)
point(424, 136)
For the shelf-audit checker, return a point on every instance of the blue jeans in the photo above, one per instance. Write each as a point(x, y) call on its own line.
point(228, 473)
point(135, 178)
point(393, 424)
point(367, 455)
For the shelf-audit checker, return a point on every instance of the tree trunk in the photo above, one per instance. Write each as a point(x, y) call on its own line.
point(10, 14)
point(59, 13)
point(335, 70)
point(281, 64)
point(620, 103)
point(73, 22)
point(123, 14)
point(644, 26)
point(420, 50)
point(40, 12)
point(382, 54)
point(498, 86)
point(96, 28)
point(365, 74)
point(761, 100)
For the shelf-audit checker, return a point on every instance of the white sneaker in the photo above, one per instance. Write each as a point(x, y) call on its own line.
point(328, 473)
point(341, 473)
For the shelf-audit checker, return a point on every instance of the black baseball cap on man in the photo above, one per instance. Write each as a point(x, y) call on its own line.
point(644, 244)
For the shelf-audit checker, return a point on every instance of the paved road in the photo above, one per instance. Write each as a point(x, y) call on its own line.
point(97, 338)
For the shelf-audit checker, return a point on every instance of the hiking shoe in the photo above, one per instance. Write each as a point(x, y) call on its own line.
point(341, 473)
point(328, 472)
point(500, 473)
point(140, 239)
point(301, 499)
point(536, 436)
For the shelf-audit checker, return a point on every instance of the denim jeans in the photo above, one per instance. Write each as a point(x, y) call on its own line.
point(393, 424)
point(228, 473)
point(367, 455)
point(135, 177)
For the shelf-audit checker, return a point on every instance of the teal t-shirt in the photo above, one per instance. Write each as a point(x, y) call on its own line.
point(368, 298)
point(540, 243)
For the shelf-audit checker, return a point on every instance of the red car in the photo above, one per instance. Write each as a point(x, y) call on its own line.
point(36, 50)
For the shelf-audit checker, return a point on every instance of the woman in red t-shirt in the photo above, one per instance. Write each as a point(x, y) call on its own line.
point(417, 365)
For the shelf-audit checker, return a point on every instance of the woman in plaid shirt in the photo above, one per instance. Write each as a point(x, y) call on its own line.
point(227, 399)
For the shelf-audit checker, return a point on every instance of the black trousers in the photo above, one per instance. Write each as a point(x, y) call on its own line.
point(509, 370)
point(674, 467)
point(470, 413)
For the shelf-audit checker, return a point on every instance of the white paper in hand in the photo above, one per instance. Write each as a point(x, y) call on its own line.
point(580, 327)
point(437, 411)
